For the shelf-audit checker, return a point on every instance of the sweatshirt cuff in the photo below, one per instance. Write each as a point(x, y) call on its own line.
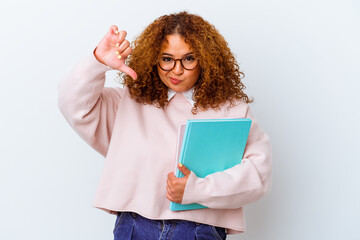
point(190, 193)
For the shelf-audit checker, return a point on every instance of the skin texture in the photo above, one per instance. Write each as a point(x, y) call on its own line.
point(175, 186)
point(178, 79)
point(110, 47)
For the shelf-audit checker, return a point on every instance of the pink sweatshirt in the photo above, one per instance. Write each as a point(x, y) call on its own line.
point(139, 143)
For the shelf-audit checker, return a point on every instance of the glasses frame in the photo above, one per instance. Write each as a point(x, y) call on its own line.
point(179, 59)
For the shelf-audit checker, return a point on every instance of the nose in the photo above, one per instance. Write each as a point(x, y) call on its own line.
point(178, 69)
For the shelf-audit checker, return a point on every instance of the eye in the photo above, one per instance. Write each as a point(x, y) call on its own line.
point(189, 58)
point(166, 59)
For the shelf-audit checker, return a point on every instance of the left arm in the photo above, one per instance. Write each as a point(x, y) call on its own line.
point(234, 187)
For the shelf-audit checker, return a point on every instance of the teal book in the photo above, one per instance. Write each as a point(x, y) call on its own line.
point(206, 146)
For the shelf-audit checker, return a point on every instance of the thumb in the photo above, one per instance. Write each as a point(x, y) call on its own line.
point(184, 169)
point(129, 71)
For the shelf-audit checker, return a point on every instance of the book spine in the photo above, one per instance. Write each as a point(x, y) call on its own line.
point(183, 149)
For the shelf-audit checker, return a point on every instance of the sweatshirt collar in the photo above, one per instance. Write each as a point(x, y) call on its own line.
point(187, 94)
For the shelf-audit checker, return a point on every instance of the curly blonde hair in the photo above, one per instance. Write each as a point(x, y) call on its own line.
point(220, 78)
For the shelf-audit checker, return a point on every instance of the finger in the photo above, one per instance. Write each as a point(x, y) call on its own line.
point(170, 180)
point(171, 176)
point(175, 200)
point(184, 169)
point(127, 52)
point(113, 29)
point(168, 196)
point(128, 71)
point(168, 183)
point(121, 36)
point(168, 190)
point(123, 46)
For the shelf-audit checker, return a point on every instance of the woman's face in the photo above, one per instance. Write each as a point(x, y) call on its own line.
point(178, 79)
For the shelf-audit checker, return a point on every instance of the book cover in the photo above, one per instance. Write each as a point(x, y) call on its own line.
point(207, 146)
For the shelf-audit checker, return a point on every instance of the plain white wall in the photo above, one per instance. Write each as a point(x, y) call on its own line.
point(301, 60)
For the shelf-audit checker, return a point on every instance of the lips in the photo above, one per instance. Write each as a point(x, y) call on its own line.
point(175, 81)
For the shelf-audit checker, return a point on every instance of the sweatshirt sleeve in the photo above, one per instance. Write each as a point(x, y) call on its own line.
point(237, 186)
point(87, 105)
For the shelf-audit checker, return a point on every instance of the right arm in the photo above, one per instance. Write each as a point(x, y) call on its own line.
point(89, 107)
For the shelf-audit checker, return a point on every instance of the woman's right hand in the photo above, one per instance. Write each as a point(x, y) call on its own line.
point(111, 46)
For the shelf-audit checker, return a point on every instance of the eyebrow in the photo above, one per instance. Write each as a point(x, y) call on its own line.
point(190, 53)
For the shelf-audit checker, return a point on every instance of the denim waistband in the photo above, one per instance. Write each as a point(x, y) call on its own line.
point(130, 225)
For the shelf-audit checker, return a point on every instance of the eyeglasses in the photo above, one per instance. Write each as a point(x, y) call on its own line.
point(188, 62)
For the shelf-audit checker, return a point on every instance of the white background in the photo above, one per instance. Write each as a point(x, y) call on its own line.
point(301, 60)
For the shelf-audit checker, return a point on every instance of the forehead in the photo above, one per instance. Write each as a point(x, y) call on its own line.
point(176, 45)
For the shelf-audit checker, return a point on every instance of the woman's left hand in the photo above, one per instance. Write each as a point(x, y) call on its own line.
point(175, 186)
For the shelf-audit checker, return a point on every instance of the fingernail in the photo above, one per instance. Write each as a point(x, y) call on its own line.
point(119, 57)
point(116, 31)
point(118, 44)
point(117, 53)
point(180, 165)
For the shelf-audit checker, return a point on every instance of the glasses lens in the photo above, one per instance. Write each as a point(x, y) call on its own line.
point(189, 62)
point(167, 63)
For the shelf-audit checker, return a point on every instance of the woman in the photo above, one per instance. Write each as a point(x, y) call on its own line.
point(180, 68)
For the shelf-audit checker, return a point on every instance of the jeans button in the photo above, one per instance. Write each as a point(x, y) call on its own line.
point(133, 215)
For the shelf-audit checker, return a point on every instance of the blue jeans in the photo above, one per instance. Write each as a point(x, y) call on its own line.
point(133, 226)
